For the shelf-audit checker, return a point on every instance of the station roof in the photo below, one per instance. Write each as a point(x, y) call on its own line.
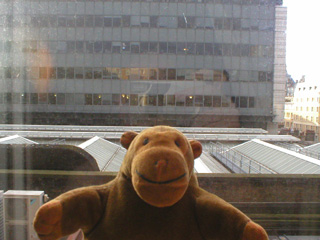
point(16, 139)
point(108, 155)
point(61, 128)
point(314, 148)
point(280, 160)
point(207, 164)
point(117, 135)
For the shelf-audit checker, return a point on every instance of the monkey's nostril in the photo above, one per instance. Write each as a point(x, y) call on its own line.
point(161, 163)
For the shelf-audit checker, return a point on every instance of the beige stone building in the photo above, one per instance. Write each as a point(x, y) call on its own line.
point(302, 110)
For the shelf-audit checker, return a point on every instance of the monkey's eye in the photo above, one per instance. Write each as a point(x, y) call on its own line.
point(177, 143)
point(145, 141)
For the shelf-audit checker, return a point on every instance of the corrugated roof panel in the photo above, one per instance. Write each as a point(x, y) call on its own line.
point(213, 165)
point(279, 159)
point(16, 139)
point(314, 148)
point(108, 155)
point(115, 164)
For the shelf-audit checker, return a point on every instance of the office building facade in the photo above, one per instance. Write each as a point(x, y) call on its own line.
point(183, 63)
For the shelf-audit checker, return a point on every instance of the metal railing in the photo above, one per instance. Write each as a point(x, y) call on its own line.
point(237, 162)
point(304, 151)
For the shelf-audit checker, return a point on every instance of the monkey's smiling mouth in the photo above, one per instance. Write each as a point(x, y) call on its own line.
point(161, 182)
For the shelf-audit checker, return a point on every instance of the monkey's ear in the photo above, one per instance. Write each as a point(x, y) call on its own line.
point(127, 138)
point(196, 148)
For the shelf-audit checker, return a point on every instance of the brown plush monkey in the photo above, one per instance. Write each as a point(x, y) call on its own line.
point(154, 196)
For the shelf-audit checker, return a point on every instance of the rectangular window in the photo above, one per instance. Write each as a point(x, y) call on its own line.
point(106, 99)
point(8, 98)
point(171, 74)
point(172, 47)
point(25, 98)
point(125, 21)
point(79, 21)
point(116, 99)
point(107, 21)
point(116, 21)
point(144, 73)
point(161, 100)
point(153, 47)
point(89, 47)
point(78, 73)
point(106, 73)
point(251, 102)
point(217, 76)
point(34, 98)
point(208, 75)
point(70, 73)
point(143, 100)
point(116, 46)
point(144, 21)
point(43, 98)
point(243, 102)
point(88, 73)
point(162, 74)
point(16, 98)
point(163, 47)
point(98, 21)
point(171, 99)
point(135, 47)
point(198, 101)
point(98, 47)
point(88, 99)
point(181, 48)
point(133, 100)
point(216, 101)
point(70, 21)
point(125, 73)
point(200, 48)
point(218, 49)
point(97, 73)
point(152, 100)
point(135, 21)
point(69, 98)
point(61, 73)
point(89, 21)
point(125, 99)
point(61, 98)
point(225, 101)
point(79, 47)
point(97, 99)
point(199, 75)
point(144, 47)
point(79, 98)
point(181, 74)
point(189, 101)
point(191, 48)
point(154, 21)
point(153, 74)
point(135, 74)
point(207, 101)
point(208, 49)
point(43, 73)
point(163, 22)
point(116, 73)
point(180, 100)
point(106, 47)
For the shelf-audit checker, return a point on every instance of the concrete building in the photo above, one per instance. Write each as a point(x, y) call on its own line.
point(184, 63)
point(302, 113)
